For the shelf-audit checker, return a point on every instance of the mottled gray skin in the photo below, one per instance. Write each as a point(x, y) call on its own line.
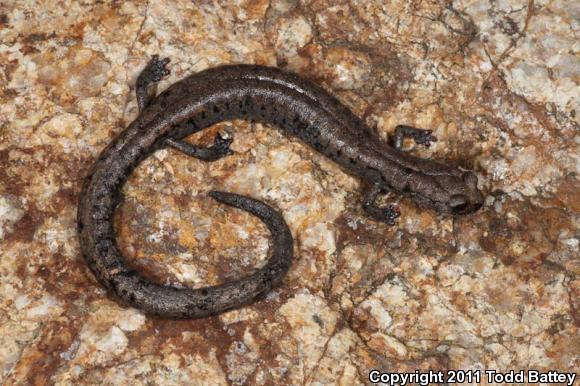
point(299, 109)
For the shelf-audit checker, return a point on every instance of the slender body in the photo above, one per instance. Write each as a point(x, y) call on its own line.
point(295, 106)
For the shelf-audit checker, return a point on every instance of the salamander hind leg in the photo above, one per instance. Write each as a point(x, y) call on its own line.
point(420, 136)
point(387, 214)
point(155, 70)
point(220, 148)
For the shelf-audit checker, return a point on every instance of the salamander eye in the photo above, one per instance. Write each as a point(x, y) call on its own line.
point(469, 178)
point(458, 203)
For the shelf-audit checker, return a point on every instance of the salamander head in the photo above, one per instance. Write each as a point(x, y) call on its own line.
point(454, 193)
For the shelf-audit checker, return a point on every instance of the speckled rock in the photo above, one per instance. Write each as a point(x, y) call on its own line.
point(497, 81)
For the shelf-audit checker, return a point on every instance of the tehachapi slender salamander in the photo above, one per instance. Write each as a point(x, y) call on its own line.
point(299, 109)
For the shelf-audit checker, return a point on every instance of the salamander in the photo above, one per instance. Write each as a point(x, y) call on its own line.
point(294, 105)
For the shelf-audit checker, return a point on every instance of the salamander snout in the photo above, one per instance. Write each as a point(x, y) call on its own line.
point(459, 204)
point(470, 199)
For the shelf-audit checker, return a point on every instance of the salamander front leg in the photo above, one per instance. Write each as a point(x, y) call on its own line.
point(155, 70)
point(420, 136)
point(387, 214)
point(220, 148)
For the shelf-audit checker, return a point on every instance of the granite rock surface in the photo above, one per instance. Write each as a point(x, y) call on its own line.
point(497, 81)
